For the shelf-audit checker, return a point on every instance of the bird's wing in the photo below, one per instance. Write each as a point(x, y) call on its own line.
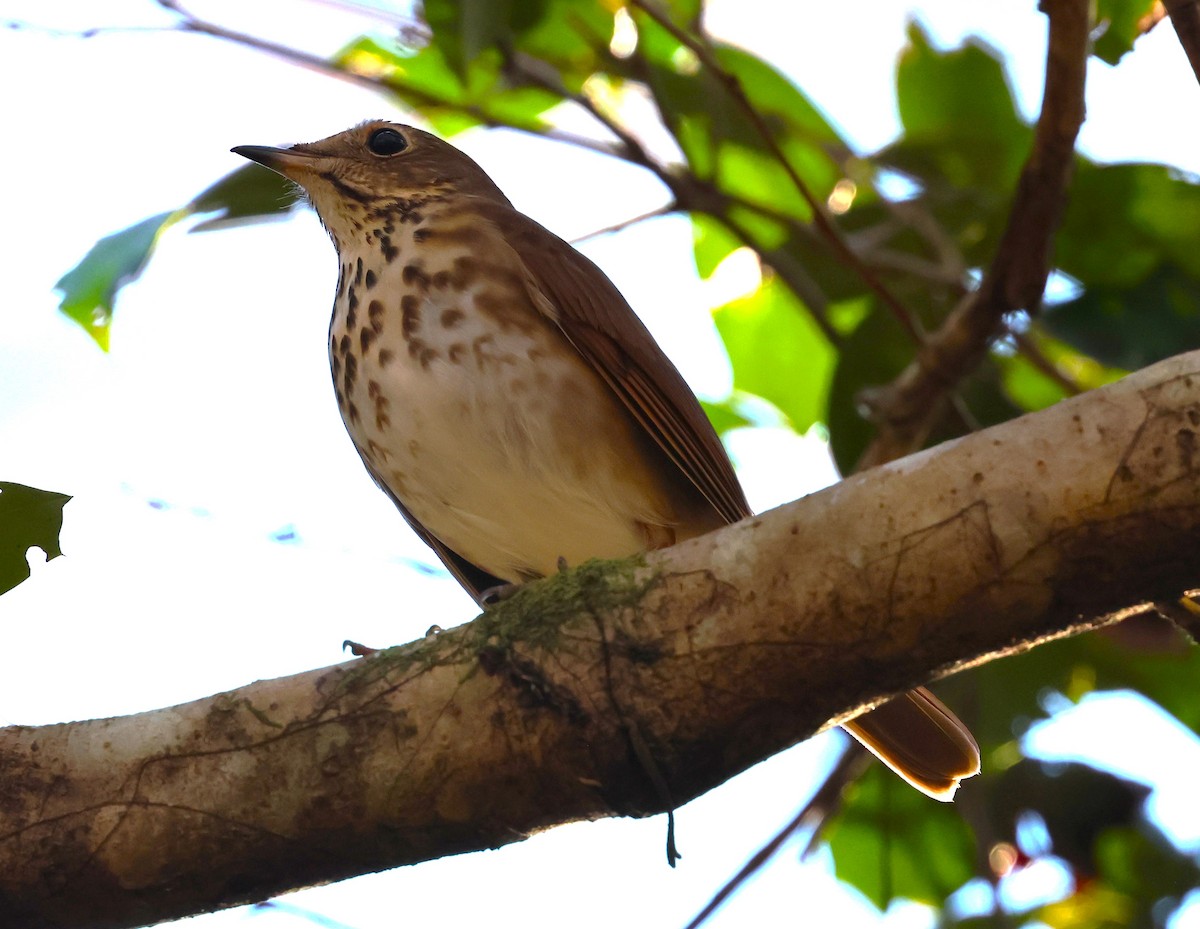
point(603, 328)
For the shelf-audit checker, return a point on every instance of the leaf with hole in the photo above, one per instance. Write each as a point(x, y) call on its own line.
point(29, 518)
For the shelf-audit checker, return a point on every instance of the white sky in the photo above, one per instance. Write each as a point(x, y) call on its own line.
point(214, 404)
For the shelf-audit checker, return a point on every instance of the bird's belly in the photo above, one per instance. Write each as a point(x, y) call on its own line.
point(506, 446)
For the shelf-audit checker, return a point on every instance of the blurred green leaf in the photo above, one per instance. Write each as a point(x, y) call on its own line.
point(1094, 906)
point(249, 194)
point(725, 415)
point(1142, 864)
point(1030, 388)
point(1135, 326)
point(1026, 385)
point(89, 290)
point(963, 142)
point(712, 243)
point(1117, 22)
point(570, 36)
point(1123, 221)
point(889, 842)
point(29, 518)
point(956, 94)
point(1144, 655)
point(781, 103)
point(777, 352)
point(463, 29)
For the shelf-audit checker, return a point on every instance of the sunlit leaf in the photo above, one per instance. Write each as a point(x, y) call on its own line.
point(777, 352)
point(89, 290)
point(1095, 906)
point(1027, 385)
point(1118, 26)
point(712, 243)
point(29, 518)
point(1031, 388)
point(449, 101)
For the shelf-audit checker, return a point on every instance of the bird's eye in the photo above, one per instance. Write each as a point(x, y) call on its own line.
point(386, 142)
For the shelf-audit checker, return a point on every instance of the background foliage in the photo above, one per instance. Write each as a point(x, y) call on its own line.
point(863, 254)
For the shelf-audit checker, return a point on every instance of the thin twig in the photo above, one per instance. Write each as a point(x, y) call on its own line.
point(532, 72)
point(815, 814)
point(21, 25)
point(191, 23)
point(907, 408)
point(401, 21)
point(665, 210)
point(1033, 353)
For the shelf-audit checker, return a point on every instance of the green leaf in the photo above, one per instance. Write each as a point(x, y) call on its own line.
point(963, 143)
point(1117, 22)
point(1026, 385)
point(778, 352)
point(249, 194)
point(889, 841)
point(1123, 221)
point(712, 243)
point(725, 415)
point(1144, 655)
point(1143, 865)
point(29, 518)
point(1031, 389)
point(781, 103)
point(719, 138)
point(90, 288)
point(570, 36)
point(962, 93)
point(1131, 328)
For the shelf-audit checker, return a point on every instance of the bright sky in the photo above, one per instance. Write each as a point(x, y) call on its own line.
point(210, 432)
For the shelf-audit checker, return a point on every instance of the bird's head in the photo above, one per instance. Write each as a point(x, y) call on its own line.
point(359, 177)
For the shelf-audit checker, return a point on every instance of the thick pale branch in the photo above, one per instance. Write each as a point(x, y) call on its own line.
point(691, 665)
point(909, 407)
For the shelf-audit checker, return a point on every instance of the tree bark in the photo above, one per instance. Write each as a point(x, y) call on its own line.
point(617, 688)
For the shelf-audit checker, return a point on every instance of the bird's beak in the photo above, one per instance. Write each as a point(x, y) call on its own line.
point(287, 161)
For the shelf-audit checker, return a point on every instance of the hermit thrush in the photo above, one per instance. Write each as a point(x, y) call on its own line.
point(502, 392)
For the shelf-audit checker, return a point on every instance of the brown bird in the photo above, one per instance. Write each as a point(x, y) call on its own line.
point(506, 397)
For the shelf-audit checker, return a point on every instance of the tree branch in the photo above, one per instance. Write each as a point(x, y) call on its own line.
point(713, 654)
point(907, 408)
point(1185, 17)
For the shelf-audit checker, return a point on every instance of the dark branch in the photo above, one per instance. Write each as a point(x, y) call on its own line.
point(1185, 17)
point(907, 408)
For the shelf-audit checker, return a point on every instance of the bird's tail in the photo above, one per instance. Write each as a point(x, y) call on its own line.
point(918, 737)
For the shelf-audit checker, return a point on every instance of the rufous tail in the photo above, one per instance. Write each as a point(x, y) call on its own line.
point(918, 737)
